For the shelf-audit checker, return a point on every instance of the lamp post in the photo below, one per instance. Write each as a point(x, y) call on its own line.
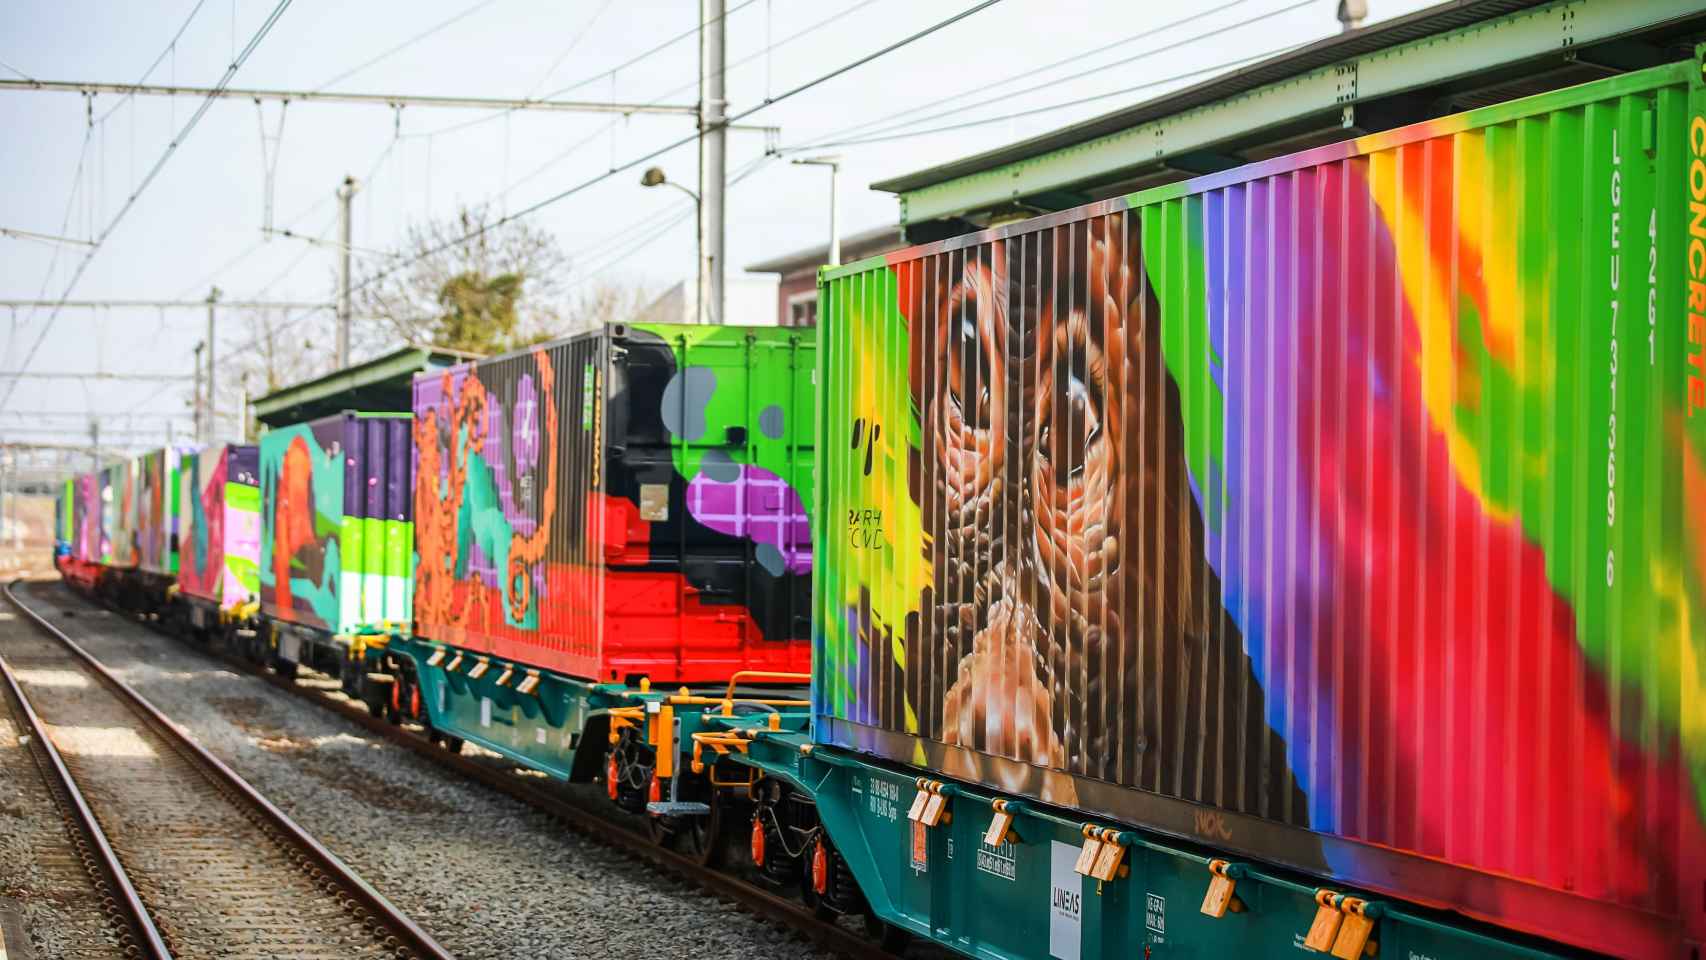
point(834, 165)
point(655, 177)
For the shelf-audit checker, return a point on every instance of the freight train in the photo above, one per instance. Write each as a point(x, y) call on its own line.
point(1309, 556)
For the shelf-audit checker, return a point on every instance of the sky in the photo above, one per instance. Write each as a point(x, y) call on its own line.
point(69, 167)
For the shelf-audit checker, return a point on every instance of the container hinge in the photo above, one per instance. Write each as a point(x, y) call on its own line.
point(1222, 896)
point(1001, 825)
point(930, 804)
point(1102, 857)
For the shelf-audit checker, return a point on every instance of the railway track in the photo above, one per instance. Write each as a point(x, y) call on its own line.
point(199, 864)
point(582, 818)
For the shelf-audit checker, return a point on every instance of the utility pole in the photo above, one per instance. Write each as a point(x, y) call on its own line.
point(834, 165)
point(199, 347)
point(713, 159)
point(345, 194)
point(212, 373)
point(94, 444)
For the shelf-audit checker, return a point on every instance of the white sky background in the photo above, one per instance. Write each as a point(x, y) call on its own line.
point(206, 207)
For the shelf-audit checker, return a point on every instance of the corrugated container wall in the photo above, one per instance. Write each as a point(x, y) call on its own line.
point(326, 505)
point(64, 516)
point(625, 502)
point(1347, 510)
point(89, 535)
point(119, 514)
point(219, 500)
point(154, 510)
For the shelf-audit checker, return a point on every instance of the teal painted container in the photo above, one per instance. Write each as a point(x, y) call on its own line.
point(335, 554)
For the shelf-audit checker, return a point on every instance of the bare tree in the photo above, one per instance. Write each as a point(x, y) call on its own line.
point(498, 289)
point(606, 301)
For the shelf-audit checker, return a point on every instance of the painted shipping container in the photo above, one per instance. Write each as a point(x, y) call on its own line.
point(88, 536)
point(1345, 510)
point(153, 511)
point(220, 544)
point(627, 502)
point(119, 515)
point(335, 523)
point(64, 517)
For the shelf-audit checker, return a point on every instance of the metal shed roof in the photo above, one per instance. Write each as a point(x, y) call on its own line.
point(380, 385)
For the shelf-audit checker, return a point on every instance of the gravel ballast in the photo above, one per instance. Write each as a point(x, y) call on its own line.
point(484, 874)
point(44, 887)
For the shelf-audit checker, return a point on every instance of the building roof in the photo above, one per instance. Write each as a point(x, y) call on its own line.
point(380, 385)
point(855, 246)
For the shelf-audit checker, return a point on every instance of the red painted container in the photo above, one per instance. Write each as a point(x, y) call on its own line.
point(626, 503)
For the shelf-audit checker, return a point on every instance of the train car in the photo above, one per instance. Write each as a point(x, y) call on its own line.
point(219, 552)
point(64, 520)
point(335, 552)
point(1307, 556)
point(622, 509)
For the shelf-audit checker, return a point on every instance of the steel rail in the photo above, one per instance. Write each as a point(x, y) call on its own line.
point(144, 934)
point(399, 923)
point(825, 933)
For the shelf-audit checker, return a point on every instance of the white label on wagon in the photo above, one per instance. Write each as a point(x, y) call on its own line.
point(1066, 902)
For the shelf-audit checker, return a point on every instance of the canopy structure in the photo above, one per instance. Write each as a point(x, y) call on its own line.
point(380, 385)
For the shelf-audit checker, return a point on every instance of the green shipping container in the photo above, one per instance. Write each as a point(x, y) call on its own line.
point(1344, 511)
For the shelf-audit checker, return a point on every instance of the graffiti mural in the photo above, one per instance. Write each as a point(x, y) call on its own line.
point(621, 503)
point(335, 525)
point(220, 503)
point(1307, 493)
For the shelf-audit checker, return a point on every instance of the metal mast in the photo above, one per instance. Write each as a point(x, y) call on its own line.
point(713, 159)
point(345, 193)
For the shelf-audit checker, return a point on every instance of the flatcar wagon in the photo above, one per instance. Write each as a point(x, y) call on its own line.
point(336, 559)
point(219, 547)
point(1306, 556)
point(600, 516)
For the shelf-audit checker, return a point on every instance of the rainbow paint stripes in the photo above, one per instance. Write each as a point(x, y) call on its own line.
point(1359, 495)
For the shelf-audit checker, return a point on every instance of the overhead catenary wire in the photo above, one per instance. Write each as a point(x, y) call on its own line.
point(791, 92)
point(171, 148)
point(637, 58)
point(169, 50)
point(1007, 97)
point(417, 38)
point(1048, 108)
point(539, 170)
point(17, 71)
point(1075, 59)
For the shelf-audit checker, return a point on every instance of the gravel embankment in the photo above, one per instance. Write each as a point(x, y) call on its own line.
point(484, 874)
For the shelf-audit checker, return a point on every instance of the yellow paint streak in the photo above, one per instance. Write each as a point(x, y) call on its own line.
point(1489, 244)
point(1669, 585)
point(1430, 289)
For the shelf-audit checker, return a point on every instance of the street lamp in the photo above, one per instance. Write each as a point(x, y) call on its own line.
point(655, 177)
point(834, 165)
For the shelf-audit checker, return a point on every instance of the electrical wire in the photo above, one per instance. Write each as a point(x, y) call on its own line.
point(17, 71)
point(1007, 97)
point(1063, 105)
point(735, 118)
point(170, 48)
point(171, 148)
point(538, 171)
point(417, 38)
point(580, 35)
point(1074, 59)
point(637, 58)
